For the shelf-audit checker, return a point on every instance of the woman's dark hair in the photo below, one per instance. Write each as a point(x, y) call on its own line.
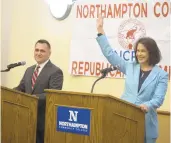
point(152, 48)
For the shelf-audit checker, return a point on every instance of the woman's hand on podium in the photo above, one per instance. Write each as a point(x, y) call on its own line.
point(144, 108)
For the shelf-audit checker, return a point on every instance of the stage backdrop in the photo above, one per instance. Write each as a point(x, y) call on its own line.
point(124, 23)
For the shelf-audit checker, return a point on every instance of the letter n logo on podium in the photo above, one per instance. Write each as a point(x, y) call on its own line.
point(73, 115)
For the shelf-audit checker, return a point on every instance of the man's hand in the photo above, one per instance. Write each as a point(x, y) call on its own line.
point(144, 108)
point(99, 24)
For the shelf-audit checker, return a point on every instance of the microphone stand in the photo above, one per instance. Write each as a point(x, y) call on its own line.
point(103, 76)
point(8, 69)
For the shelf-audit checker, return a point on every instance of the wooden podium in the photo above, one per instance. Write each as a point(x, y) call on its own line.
point(19, 116)
point(112, 120)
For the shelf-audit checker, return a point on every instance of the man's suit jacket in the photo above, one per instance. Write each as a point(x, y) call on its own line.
point(50, 77)
point(152, 91)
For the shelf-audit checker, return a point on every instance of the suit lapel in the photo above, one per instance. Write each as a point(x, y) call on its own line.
point(136, 76)
point(42, 74)
point(149, 78)
point(137, 73)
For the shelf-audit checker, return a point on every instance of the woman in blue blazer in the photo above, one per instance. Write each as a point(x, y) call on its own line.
point(145, 83)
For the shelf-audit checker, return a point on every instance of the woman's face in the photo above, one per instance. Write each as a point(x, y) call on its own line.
point(142, 54)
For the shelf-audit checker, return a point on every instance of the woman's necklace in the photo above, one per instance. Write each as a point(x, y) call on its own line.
point(142, 74)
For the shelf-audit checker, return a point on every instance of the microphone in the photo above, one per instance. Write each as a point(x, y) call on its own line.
point(16, 64)
point(107, 70)
point(13, 66)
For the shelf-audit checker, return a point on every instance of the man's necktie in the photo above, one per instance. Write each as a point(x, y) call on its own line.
point(35, 75)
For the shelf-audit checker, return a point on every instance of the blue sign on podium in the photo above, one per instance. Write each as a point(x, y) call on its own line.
point(73, 120)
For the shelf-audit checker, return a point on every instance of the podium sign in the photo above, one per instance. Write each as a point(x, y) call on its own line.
point(73, 120)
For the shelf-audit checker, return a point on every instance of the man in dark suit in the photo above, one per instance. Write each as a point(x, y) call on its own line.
point(43, 75)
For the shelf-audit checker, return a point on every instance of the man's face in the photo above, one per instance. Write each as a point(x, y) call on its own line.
point(41, 52)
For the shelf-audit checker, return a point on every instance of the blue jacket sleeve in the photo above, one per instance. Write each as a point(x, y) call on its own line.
point(113, 58)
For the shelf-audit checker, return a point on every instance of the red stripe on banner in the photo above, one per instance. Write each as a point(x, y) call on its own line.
point(120, 10)
point(93, 69)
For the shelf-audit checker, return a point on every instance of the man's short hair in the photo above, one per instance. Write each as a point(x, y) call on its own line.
point(43, 41)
